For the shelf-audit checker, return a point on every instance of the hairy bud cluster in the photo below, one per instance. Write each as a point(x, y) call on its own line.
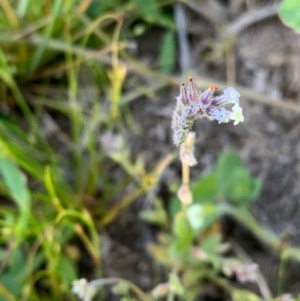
point(213, 104)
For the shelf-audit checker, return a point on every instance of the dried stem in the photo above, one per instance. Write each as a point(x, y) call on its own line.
point(185, 174)
point(137, 67)
point(252, 17)
point(187, 159)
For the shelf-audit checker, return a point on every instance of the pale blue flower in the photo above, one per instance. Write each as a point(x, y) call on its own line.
point(220, 114)
point(232, 95)
point(223, 116)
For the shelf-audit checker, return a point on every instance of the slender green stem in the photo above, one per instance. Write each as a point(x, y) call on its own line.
point(266, 236)
point(246, 219)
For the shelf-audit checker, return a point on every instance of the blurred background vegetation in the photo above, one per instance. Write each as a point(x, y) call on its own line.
point(79, 81)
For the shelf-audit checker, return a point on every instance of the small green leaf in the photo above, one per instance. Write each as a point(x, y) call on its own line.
point(211, 243)
point(179, 248)
point(16, 184)
point(289, 13)
point(157, 216)
point(176, 285)
point(160, 254)
point(182, 229)
point(201, 216)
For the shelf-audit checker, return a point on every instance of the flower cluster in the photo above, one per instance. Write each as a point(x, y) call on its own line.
point(211, 103)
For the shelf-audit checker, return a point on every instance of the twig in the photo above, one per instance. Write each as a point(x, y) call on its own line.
point(153, 178)
point(251, 17)
point(143, 70)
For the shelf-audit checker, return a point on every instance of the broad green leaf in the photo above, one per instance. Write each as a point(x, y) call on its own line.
point(227, 161)
point(289, 13)
point(234, 182)
point(205, 189)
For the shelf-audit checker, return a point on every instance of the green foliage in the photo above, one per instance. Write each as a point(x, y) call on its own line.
point(17, 188)
point(16, 273)
point(230, 181)
point(195, 247)
point(182, 229)
point(157, 217)
point(234, 181)
point(63, 132)
point(175, 285)
point(289, 12)
point(205, 189)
